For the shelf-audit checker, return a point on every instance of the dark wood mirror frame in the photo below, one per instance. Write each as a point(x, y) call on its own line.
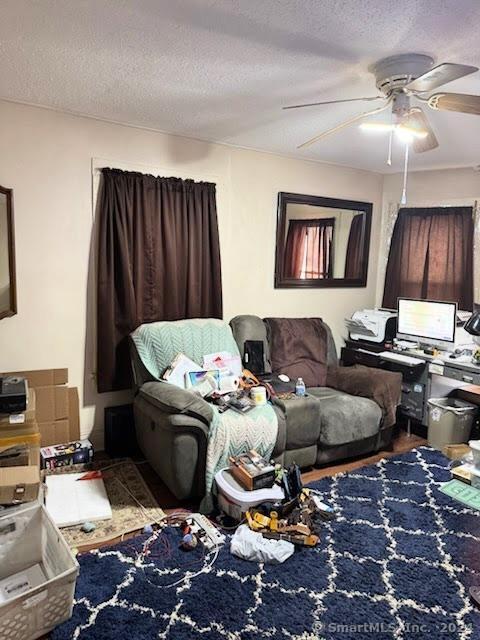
point(281, 282)
point(11, 254)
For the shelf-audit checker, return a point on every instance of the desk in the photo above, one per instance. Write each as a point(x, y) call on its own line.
point(434, 377)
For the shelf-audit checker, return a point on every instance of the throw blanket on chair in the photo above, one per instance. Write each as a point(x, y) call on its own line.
point(298, 348)
point(230, 433)
point(384, 387)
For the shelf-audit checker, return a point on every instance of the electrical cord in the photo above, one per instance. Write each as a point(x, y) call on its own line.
point(175, 516)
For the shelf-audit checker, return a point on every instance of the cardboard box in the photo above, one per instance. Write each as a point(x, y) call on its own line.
point(51, 403)
point(9, 420)
point(55, 432)
point(57, 406)
point(19, 484)
point(20, 450)
point(42, 377)
point(65, 455)
point(455, 451)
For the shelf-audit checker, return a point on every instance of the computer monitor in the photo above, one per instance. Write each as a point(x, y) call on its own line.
point(428, 322)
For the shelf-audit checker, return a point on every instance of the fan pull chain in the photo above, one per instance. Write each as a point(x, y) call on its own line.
point(403, 199)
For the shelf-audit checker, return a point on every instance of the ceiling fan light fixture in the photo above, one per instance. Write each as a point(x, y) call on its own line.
point(379, 127)
point(409, 132)
point(404, 132)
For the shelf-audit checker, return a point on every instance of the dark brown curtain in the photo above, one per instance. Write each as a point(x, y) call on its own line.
point(431, 256)
point(355, 254)
point(158, 259)
point(309, 248)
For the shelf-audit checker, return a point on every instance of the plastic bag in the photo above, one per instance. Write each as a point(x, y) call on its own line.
point(250, 545)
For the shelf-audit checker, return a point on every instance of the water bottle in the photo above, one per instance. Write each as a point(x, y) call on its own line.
point(300, 387)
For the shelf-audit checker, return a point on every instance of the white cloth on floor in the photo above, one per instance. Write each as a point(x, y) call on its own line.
point(251, 545)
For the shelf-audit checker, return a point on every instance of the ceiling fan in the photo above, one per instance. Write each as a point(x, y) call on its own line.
point(400, 79)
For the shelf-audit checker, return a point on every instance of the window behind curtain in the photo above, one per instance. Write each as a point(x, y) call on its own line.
point(431, 256)
point(309, 249)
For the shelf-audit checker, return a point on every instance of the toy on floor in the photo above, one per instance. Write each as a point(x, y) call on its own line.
point(296, 519)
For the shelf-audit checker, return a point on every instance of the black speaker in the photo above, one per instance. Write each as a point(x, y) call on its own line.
point(120, 437)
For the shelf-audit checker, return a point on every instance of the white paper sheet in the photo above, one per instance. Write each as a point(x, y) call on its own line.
point(72, 501)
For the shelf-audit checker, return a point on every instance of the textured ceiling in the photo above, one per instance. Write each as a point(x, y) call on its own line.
point(221, 69)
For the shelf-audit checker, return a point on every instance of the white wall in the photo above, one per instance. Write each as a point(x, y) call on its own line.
point(47, 159)
point(454, 187)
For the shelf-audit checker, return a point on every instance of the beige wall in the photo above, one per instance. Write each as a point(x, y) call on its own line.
point(429, 188)
point(47, 158)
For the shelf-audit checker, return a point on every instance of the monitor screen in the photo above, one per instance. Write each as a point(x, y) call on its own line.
point(426, 320)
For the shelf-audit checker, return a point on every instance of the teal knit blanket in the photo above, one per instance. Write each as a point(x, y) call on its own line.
point(158, 343)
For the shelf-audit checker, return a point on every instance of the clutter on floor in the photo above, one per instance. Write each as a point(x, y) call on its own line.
point(465, 470)
point(163, 589)
point(38, 573)
point(273, 502)
point(64, 455)
point(253, 546)
point(132, 503)
point(252, 470)
point(234, 500)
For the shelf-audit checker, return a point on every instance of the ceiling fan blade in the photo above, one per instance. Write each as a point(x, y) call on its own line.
point(441, 74)
point(347, 123)
point(417, 120)
point(461, 102)
point(316, 104)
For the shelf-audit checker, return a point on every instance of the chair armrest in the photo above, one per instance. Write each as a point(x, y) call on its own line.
point(383, 387)
point(171, 399)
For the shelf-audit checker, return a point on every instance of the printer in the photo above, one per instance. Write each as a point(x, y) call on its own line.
point(372, 326)
point(13, 394)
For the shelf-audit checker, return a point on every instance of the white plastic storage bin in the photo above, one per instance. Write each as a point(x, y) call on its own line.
point(31, 545)
point(234, 500)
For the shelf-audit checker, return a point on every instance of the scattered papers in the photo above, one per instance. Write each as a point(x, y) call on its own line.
point(179, 368)
point(228, 363)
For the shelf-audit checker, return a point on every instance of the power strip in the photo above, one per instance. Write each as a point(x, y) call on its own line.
point(213, 537)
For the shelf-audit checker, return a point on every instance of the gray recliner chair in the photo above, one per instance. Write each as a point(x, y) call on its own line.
point(172, 424)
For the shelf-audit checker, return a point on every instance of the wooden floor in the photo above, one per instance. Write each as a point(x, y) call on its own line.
point(401, 444)
point(168, 502)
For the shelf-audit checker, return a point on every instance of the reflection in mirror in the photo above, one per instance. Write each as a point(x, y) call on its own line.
point(321, 241)
point(7, 259)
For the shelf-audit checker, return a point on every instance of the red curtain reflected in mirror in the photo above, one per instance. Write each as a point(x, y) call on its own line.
point(309, 249)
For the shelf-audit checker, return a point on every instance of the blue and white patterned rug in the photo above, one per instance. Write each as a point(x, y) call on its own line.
point(397, 563)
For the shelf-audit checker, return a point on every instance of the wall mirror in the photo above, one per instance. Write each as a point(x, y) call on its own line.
point(321, 242)
point(8, 298)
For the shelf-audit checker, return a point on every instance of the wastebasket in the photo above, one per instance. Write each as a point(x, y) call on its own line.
point(449, 421)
